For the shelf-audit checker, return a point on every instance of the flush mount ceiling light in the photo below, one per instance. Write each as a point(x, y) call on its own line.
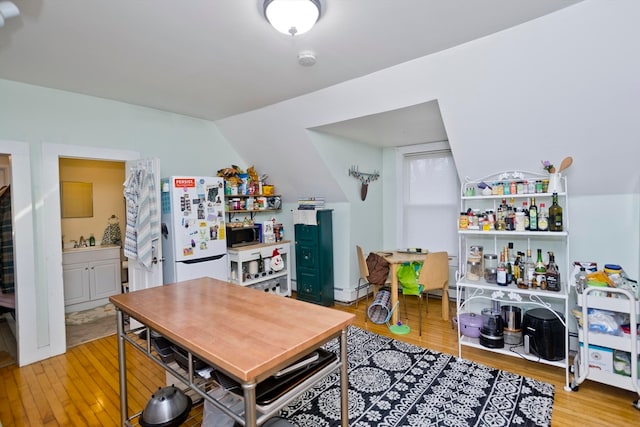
point(7, 10)
point(292, 16)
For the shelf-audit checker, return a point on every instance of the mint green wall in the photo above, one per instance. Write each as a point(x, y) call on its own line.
point(183, 144)
point(41, 117)
point(359, 222)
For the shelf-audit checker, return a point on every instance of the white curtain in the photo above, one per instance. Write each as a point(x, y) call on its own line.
point(430, 201)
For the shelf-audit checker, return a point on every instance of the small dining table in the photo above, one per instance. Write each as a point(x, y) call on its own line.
point(396, 258)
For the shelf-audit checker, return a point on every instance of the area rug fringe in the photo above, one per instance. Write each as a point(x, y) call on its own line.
point(393, 383)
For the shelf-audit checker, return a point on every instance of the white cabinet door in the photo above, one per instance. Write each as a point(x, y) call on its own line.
point(76, 283)
point(104, 279)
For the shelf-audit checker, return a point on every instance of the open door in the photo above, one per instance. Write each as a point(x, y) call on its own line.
point(145, 265)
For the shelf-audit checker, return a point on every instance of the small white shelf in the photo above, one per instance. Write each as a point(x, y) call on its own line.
point(508, 196)
point(532, 234)
point(512, 350)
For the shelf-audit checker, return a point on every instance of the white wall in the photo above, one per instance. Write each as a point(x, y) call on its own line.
point(564, 84)
point(356, 222)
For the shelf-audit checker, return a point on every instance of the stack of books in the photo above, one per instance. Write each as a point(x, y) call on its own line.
point(311, 203)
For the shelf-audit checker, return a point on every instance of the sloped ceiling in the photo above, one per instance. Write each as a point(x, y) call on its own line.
point(215, 59)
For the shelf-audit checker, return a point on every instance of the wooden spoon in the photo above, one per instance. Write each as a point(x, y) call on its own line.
point(566, 162)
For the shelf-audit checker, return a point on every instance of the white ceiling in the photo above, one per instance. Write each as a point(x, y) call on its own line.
point(212, 59)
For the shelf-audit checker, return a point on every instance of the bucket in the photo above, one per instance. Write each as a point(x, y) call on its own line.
point(380, 309)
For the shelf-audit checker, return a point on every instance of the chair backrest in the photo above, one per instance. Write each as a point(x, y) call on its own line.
point(362, 263)
point(435, 271)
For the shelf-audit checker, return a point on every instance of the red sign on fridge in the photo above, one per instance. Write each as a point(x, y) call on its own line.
point(184, 182)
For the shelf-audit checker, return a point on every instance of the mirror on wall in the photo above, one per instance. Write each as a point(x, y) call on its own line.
point(77, 199)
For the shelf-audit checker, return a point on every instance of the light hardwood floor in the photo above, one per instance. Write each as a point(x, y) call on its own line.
point(80, 388)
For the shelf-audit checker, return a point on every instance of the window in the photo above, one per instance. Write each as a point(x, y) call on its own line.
point(430, 197)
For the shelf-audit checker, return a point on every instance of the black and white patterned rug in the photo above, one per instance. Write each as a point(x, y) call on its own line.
point(392, 383)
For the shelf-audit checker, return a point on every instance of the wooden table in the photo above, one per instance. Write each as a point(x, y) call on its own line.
point(246, 333)
point(396, 258)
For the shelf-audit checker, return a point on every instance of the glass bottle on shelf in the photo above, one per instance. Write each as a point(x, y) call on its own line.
point(553, 274)
point(555, 214)
point(511, 216)
point(540, 272)
point(501, 276)
point(517, 276)
point(508, 265)
point(533, 215)
point(525, 210)
point(543, 222)
point(529, 269)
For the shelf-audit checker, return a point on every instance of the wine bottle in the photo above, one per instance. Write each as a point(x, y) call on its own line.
point(553, 274)
point(508, 266)
point(555, 214)
point(540, 272)
point(533, 215)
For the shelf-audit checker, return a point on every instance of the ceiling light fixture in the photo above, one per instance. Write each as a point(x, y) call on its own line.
point(7, 10)
point(292, 16)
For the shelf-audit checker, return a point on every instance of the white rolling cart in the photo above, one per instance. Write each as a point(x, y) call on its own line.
point(620, 301)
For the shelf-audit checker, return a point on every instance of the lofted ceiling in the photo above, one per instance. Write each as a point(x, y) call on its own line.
point(214, 59)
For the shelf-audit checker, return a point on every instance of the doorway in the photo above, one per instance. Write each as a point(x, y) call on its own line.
point(8, 341)
point(92, 201)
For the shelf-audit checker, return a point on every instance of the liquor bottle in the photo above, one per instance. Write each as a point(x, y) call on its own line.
point(533, 215)
point(517, 277)
point(501, 223)
point(553, 274)
point(501, 277)
point(509, 266)
point(511, 216)
point(525, 210)
point(529, 270)
point(543, 222)
point(540, 272)
point(555, 215)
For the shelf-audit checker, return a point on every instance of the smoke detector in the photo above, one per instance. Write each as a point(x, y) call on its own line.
point(306, 59)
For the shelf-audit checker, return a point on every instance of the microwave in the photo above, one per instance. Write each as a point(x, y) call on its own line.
point(243, 236)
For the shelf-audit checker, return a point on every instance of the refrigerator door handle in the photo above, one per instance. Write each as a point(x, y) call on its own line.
point(209, 258)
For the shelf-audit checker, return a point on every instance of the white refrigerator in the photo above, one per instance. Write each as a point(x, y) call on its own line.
point(193, 228)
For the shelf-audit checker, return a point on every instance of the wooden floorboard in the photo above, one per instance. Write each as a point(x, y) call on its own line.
point(80, 388)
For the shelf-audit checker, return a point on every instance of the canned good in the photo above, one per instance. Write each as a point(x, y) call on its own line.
point(463, 222)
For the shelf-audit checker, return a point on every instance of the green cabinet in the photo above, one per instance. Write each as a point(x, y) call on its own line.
point(314, 260)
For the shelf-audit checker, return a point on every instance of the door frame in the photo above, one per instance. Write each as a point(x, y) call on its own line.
point(22, 207)
point(56, 342)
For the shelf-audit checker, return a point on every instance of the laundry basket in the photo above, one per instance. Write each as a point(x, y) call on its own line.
point(380, 309)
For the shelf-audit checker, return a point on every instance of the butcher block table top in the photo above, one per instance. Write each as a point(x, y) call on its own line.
point(248, 333)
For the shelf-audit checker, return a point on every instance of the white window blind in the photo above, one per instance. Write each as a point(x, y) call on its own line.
point(430, 201)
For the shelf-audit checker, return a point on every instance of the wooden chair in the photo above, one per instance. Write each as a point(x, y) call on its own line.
point(364, 276)
point(434, 274)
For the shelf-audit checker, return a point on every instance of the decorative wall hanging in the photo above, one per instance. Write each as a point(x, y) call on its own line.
point(365, 179)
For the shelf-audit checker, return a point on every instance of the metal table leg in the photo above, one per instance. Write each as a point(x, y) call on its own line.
point(122, 367)
point(249, 404)
point(344, 380)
